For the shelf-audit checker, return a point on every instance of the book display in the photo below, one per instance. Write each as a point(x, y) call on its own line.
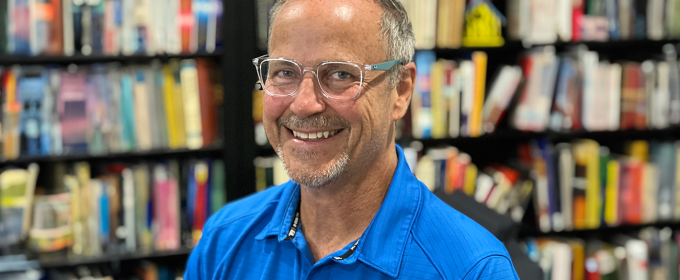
point(119, 133)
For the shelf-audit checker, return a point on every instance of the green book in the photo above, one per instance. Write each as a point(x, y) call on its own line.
point(218, 195)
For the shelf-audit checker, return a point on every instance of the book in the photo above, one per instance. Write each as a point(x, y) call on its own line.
point(479, 59)
point(208, 102)
point(191, 103)
point(501, 93)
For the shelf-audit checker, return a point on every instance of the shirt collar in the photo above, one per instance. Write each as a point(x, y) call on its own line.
point(383, 243)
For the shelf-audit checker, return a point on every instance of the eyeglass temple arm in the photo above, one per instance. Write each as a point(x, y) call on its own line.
point(385, 65)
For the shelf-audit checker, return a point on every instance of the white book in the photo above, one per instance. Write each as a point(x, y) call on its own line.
point(519, 18)
point(211, 39)
point(483, 187)
point(662, 96)
point(562, 258)
point(425, 171)
point(158, 10)
point(67, 21)
point(614, 102)
point(172, 27)
point(280, 175)
point(636, 259)
point(655, 23)
point(533, 113)
point(543, 27)
point(564, 14)
point(129, 210)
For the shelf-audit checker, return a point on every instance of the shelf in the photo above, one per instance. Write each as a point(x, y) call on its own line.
point(6, 59)
point(137, 155)
point(602, 231)
point(515, 135)
point(56, 262)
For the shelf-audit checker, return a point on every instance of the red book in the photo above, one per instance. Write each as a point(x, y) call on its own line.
point(186, 19)
point(201, 200)
point(53, 13)
point(207, 100)
point(576, 18)
point(633, 193)
point(629, 96)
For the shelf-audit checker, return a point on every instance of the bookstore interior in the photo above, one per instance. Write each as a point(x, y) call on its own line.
point(124, 125)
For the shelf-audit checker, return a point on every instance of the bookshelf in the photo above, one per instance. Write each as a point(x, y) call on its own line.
point(234, 145)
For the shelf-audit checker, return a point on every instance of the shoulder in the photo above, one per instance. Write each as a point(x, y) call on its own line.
point(245, 209)
point(455, 244)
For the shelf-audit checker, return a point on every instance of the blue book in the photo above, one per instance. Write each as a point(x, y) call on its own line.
point(97, 28)
point(20, 42)
point(30, 92)
point(104, 212)
point(191, 196)
point(127, 113)
point(202, 13)
point(424, 61)
point(554, 207)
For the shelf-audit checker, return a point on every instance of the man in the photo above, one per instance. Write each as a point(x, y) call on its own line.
point(338, 76)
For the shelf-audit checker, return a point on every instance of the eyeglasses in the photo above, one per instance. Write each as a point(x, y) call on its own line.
point(340, 80)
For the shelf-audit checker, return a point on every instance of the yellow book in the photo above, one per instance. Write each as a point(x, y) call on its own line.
point(192, 104)
point(676, 212)
point(479, 59)
point(611, 211)
point(579, 260)
point(593, 192)
point(174, 112)
point(638, 150)
point(438, 100)
point(470, 179)
point(82, 174)
point(444, 26)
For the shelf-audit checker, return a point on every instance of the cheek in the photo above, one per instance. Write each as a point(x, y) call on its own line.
point(273, 108)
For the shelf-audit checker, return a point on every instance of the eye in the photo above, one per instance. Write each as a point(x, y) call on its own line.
point(341, 75)
point(285, 73)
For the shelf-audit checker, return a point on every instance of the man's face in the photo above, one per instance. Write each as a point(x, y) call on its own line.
point(312, 31)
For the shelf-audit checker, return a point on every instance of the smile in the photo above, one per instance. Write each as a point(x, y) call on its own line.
point(315, 135)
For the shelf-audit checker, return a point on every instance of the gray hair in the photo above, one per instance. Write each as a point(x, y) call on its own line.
point(397, 32)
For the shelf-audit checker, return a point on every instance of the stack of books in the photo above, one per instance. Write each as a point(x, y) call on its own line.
point(79, 211)
point(109, 27)
point(109, 108)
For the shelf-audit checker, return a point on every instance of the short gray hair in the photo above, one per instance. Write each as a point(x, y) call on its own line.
point(398, 38)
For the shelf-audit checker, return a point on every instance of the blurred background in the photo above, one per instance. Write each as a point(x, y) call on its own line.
point(126, 123)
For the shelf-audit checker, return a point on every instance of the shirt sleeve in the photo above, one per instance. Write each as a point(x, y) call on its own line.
point(493, 267)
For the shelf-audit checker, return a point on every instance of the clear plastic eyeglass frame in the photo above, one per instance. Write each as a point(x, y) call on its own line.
point(384, 66)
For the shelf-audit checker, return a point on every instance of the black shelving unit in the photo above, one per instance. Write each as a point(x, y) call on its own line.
point(88, 59)
point(48, 263)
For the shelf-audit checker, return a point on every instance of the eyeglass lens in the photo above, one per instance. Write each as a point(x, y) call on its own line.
point(337, 79)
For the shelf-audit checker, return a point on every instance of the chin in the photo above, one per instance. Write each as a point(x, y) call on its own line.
point(313, 176)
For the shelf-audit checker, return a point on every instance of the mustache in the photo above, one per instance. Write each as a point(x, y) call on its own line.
point(312, 122)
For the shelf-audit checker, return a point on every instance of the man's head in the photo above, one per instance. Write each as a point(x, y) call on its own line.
point(356, 132)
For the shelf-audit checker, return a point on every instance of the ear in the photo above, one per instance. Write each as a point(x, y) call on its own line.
point(404, 91)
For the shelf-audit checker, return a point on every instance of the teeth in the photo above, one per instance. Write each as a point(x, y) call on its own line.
point(315, 135)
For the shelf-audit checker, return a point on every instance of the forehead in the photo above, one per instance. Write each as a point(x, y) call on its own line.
point(311, 31)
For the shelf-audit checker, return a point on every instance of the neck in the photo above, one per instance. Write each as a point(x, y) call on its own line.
point(334, 218)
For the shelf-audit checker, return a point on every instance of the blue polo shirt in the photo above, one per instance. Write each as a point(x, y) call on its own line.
point(414, 235)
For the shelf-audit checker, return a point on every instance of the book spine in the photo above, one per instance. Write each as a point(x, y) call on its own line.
point(479, 59)
point(192, 104)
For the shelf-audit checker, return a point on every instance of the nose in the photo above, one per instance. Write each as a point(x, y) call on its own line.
point(309, 99)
